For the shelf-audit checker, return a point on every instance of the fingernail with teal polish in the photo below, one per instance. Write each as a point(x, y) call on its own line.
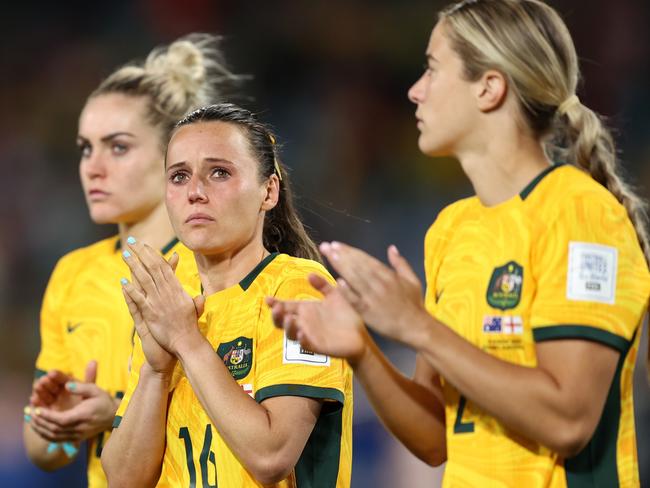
point(130, 240)
point(69, 449)
point(72, 386)
point(124, 281)
point(52, 446)
point(126, 254)
point(28, 418)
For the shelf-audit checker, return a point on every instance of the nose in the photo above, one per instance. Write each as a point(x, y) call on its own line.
point(196, 190)
point(417, 92)
point(93, 166)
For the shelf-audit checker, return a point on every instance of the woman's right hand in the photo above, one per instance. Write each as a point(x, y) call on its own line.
point(330, 326)
point(158, 359)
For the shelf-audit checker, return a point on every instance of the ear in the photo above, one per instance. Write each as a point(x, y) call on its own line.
point(272, 192)
point(491, 90)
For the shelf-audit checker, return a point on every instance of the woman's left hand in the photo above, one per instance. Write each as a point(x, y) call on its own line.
point(168, 311)
point(388, 298)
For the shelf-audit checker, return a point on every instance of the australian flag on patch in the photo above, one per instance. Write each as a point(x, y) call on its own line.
point(492, 324)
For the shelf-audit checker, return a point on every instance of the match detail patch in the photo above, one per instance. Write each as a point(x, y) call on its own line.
point(294, 353)
point(591, 273)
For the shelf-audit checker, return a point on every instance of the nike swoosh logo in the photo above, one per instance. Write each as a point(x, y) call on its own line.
point(72, 328)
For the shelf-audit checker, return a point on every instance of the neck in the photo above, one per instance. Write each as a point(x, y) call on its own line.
point(503, 166)
point(155, 229)
point(221, 271)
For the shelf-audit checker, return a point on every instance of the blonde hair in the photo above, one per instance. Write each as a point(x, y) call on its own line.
point(528, 42)
point(188, 73)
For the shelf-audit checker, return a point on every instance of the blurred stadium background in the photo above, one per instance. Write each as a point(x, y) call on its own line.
point(331, 76)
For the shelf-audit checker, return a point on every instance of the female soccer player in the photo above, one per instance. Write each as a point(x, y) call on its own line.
point(86, 329)
point(262, 410)
point(536, 286)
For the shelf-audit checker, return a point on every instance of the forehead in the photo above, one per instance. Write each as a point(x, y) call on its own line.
point(213, 139)
point(438, 46)
point(113, 112)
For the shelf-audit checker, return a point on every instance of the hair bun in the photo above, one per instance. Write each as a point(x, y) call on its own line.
point(181, 63)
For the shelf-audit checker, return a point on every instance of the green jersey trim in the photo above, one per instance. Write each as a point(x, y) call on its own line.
point(307, 391)
point(586, 332)
point(318, 465)
point(250, 277)
point(531, 186)
point(116, 421)
point(596, 465)
point(39, 373)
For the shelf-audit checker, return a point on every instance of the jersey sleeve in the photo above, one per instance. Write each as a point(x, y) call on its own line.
point(591, 276)
point(53, 353)
point(283, 368)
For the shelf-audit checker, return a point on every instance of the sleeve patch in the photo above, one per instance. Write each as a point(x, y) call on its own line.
point(294, 353)
point(591, 273)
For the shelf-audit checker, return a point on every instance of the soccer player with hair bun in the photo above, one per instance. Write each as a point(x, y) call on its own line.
point(86, 330)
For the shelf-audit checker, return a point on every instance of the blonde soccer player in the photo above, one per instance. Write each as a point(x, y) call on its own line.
point(536, 286)
point(217, 395)
point(86, 329)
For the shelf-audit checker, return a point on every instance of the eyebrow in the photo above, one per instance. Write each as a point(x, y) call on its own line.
point(208, 160)
point(108, 137)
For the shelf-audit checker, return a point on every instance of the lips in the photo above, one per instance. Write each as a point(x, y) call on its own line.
point(95, 194)
point(199, 218)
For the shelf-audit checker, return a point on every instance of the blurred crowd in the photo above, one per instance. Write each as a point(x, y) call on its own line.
point(331, 77)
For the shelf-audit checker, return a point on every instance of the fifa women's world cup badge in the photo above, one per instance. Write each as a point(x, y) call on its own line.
point(237, 355)
point(504, 290)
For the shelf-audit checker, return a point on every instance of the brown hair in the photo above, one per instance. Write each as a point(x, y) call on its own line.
point(283, 229)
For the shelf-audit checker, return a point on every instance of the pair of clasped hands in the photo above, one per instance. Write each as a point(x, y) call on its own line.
point(386, 298)
point(65, 411)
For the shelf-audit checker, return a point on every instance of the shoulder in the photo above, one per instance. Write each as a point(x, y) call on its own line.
point(85, 256)
point(570, 194)
point(289, 267)
point(287, 275)
point(449, 217)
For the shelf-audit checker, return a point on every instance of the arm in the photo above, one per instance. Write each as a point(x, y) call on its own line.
point(267, 438)
point(558, 403)
point(134, 452)
point(332, 327)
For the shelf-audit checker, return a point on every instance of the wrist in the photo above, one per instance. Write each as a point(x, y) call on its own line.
point(150, 375)
point(188, 344)
point(416, 326)
point(358, 359)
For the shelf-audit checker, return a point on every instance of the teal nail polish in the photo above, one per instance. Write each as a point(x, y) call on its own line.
point(130, 240)
point(126, 254)
point(28, 418)
point(52, 446)
point(72, 386)
point(124, 281)
point(69, 449)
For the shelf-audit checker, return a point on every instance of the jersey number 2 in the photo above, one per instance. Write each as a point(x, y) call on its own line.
point(461, 427)
point(206, 454)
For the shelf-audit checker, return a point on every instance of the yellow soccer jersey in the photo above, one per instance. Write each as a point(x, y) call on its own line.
point(238, 324)
point(560, 260)
point(84, 317)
